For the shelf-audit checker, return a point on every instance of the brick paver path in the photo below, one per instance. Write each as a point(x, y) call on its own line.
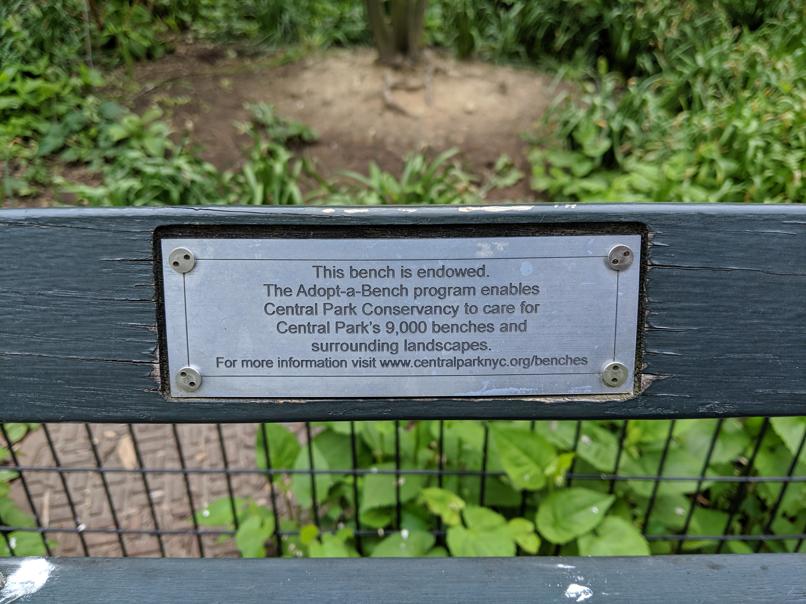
point(201, 449)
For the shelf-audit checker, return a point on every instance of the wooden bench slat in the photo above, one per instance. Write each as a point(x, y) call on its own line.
point(703, 578)
point(726, 322)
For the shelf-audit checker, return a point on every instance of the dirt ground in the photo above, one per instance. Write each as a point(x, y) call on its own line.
point(362, 111)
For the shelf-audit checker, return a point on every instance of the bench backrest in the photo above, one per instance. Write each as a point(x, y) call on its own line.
point(721, 325)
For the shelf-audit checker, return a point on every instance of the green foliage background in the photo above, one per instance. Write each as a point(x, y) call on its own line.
point(700, 100)
point(525, 504)
point(694, 100)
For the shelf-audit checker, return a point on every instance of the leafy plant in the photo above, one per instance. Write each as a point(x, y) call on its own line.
point(722, 123)
point(516, 513)
point(16, 542)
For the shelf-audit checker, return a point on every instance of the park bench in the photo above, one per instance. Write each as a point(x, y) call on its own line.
point(94, 328)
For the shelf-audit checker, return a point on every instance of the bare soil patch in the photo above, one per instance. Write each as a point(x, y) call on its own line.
point(362, 111)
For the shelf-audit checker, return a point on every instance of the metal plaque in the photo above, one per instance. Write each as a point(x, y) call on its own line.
point(458, 317)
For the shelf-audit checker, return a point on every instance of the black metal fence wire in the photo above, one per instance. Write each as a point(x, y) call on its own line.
point(80, 529)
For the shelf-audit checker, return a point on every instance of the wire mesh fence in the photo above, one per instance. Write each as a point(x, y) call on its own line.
point(722, 485)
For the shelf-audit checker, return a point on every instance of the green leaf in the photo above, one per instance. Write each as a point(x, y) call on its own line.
point(522, 531)
point(484, 535)
point(12, 515)
point(614, 537)
point(559, 433)
point(111, 111)
point(444, 504)
point(464, 542)
point(482, 519)
point(27, 544)
point(252, 536)
point(378, 490)
point(336, 449)
point(791, 430)
point(776, 461)
point(696, 438)
point(679, 462)
point(571, 512)
point(598, 446)
point(301, 483)
point(405, 544)
point(219, 512)
point(53, 140)
point(331, 546)
point(524, 456)
point(377, 517)
point(283, 446)
point(379, 437)
point(308, 533)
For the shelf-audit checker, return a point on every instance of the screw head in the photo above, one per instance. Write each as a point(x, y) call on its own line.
point(189, 379)
point(182, 260)
point(614, 374)
point(620, 257)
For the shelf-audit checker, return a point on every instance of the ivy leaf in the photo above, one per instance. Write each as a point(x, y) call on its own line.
point(283, 446)
point(571, 512)
point(485, 535)
point(614, 537)
point(405, 544)
point(524, 456)
point(252, 536)
point(444, 504)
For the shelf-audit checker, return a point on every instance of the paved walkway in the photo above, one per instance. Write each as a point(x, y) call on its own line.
point(201, 449)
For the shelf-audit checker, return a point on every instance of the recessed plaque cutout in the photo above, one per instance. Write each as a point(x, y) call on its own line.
point(431, 317)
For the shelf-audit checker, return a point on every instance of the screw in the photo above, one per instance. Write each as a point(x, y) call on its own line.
point(614, 374)
point(182, 260)
point(189, 379)
point(620, 257)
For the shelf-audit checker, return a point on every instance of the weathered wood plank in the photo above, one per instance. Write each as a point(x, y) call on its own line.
point(725, 325)
point(751, 578)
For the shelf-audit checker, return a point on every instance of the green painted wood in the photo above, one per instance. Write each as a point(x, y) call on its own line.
point(725, 313)
point(728, 578)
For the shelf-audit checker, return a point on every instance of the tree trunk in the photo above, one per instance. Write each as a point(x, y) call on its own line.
point(397, 28)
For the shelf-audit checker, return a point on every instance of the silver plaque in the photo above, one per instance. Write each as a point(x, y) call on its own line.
point(458, 317)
